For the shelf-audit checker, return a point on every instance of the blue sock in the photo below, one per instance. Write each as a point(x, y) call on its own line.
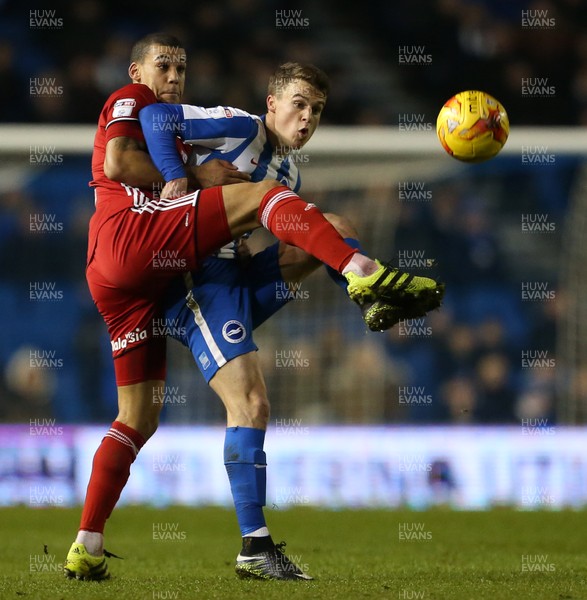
point(335, 275)
point(246, 466)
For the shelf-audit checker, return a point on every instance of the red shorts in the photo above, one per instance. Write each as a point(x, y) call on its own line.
point(137, 253)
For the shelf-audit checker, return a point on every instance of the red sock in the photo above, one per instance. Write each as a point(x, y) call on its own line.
point(295, 222)
point(110, 471)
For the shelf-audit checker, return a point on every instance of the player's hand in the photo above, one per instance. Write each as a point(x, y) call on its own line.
point(175, 188)
point(218, 172)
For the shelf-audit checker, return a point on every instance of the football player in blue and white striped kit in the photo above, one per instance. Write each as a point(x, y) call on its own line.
point(228, 298)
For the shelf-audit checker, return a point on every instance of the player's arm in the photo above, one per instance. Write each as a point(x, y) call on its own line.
point(127, 160)
point(163, 123)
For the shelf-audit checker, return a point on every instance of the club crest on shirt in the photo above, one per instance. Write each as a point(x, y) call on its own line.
point(234, 332)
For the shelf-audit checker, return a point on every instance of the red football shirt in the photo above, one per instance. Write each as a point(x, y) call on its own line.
point(119, 118)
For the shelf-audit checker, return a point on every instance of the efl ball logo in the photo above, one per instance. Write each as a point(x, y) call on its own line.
point(472, 126)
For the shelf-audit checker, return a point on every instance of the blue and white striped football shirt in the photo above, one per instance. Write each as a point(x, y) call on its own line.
point(220, 132)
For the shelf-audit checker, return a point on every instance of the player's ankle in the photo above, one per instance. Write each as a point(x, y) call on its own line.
point(92, 540)
point(360, 265)
point(255, 545)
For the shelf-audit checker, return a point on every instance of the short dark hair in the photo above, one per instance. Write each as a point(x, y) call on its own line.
point(291, 71)
point(140, 49)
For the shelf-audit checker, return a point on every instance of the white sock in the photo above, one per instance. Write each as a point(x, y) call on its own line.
point(261, 532)
point(92, 540)
point(361, 265)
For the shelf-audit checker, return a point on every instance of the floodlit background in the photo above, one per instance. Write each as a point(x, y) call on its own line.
point(508, 347)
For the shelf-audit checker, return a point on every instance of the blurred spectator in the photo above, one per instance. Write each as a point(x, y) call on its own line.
point(111, 71)
point(204, 80)
point(25, 391)
point(50, 97)
point(459, 397)
point(85, 99)
point(536, 400)
point(492, 338)
point(456, 351)
point(496, 394)
point(360, 383)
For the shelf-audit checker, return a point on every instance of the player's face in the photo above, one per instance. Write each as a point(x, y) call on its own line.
point(295, 113)
point(163, 70)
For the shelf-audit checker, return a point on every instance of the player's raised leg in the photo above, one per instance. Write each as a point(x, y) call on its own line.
point(370, 282)
point(296, 265)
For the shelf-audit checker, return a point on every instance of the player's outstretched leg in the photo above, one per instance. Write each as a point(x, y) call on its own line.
point(276, 208)
point(380, 314)
point(385, 294)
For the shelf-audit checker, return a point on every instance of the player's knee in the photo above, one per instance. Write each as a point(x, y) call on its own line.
point(249, 196)
point(260, 189)
point(342, 225)
point(142, 417)
point(267, 185)
point(145, 424)
point(150, 425)
point(258, 407)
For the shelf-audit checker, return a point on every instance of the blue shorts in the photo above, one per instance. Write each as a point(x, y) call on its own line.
point(227, 301)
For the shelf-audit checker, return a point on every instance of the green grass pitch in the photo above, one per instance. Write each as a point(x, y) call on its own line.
point(186, 554)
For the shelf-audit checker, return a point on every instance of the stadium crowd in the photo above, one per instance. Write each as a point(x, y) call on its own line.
point(460, 44)
point(470, 366)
